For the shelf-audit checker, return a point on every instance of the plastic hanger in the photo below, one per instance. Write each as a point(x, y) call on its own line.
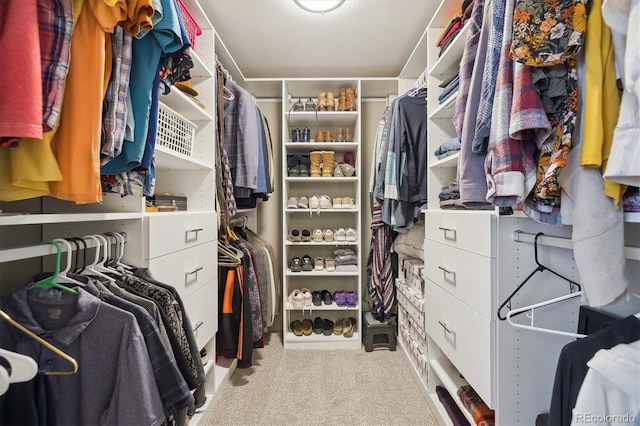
point(46, 344)
point(62, 277)
point(94, 269)
point(530, 310)
point(23, 368)
point(540, 268)
point(50, 282)
point(228, 255)
point(4, 380)
point(120, 244)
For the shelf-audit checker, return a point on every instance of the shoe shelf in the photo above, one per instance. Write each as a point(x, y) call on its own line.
point(311, 123)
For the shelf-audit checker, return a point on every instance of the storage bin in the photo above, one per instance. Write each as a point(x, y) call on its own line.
point(190, 24)
point(175, 132)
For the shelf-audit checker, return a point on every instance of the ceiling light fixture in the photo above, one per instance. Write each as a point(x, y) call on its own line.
point(319, 6)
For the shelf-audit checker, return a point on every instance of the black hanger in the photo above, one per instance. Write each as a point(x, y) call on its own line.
point(539, 268)
point(78, 269)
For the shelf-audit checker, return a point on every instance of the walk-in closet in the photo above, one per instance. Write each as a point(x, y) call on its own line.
point(261, 212)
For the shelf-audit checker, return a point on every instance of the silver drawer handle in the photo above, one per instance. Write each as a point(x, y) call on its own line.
point(195, 230)
point(198, 325)
point(447, 230)
point(446, 271)
point(195, 271)
point(444, 325)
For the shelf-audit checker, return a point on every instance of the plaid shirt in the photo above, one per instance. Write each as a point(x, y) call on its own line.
point(55, 21)
point(114, 111)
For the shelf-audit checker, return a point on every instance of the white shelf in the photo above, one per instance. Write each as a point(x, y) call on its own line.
point(169, 159)
point(322, 243)
point(183, 105)
point(449, 62)
point(37, 219)
point(632, 217)
point(332, 307)
point(224, 368)
point(200, 416)
point(322, 179)
point(322, 118)
point(446, 109)
point(446, 162)
point(315, 273)
point(335, 146)
point(326, 342)
point(200, 70)
point(452, 381)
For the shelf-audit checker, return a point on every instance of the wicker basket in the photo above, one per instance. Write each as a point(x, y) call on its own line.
point(175, 132)
point(190, 24)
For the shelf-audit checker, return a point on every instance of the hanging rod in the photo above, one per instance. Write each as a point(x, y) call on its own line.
point(630, 252)
point(39, 250)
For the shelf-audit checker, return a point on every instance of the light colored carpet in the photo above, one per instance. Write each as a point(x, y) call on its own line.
point(327, 387)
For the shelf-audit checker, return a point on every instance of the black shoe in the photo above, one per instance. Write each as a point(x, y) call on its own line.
point(317, 325)
point(327, 298)
point(316, 298)
point(327, 327)
point(200, 396)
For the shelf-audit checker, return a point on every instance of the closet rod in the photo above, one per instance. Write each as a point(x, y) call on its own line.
point(632, 253)
point(28, 252)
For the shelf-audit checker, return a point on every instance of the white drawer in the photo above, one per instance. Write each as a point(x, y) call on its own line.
point(202, 308)
point(171, 232)
point(187, 270)
point(465, 337)
point(471, 231)
point(466, 275)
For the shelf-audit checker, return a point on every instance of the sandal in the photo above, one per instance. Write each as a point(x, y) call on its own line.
point(307, 327)
point(337, 327)
point(296, 327)
point(348, 327)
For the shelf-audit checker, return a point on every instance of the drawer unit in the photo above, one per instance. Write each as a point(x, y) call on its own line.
point(202, 307)
point(464, 230)
point(187, 270)
point(465, 275)
point(465, 337)
point(172, 232)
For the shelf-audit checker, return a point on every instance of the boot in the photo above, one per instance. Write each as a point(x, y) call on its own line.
point(348, 136)
point(328, 136)
point(316, 158)
point(339, 136)
point(319, 136)
point(331, 103)
point(350, 104)
point(342, 100)
point(327, 163)
point(322, 102)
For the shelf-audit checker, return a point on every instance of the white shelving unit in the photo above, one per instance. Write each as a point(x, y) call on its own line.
point(311, 219)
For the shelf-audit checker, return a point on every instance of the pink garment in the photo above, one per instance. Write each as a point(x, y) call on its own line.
point(20, 70)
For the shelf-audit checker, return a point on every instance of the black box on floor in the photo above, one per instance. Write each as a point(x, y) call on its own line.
point(376, 334)
point(167, 200)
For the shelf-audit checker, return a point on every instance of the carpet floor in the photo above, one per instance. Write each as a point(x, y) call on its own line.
point(322, 387)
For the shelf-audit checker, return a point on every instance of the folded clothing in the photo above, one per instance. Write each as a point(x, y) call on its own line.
point(631, 200)
point(450, 193)
point(346, 268)
point(481, 413)
point(345, 257)
point(452, 145)
point(449, 90)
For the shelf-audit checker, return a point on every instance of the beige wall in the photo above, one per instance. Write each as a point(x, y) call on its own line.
point(269, 214)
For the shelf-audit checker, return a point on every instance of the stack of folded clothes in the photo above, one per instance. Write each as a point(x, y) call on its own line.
point(450, 88)
point(451, 30)
point(346, 260)
point(481, 413)
point(450, 197)
point(450, 147)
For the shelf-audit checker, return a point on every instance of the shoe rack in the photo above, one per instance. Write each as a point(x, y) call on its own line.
point(314, 120)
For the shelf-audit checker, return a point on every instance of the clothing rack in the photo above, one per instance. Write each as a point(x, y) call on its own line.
point(226, 73)
point(29, 252)
point(632, 253)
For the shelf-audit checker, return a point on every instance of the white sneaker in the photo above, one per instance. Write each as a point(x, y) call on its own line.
point(314, 202)
point(351, 234)
point(347, 203)
point(303, 203)
point(296, 298)
point(292, 203)
point(325, 202)
point(337, 203)
point(340, 234)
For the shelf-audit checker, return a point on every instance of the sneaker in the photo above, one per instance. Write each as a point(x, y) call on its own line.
point(348, 203)
point(296, 299)
point(330, 264)
point(340, 234)
point(325, 202)
point(328, 235)
point(305, 236)
point(351, 298)
point(306, 297)
point(316, 298)
point(307, 263)
point(295, 135)
point(340, 298)
point(314, 202)
point(337, 203)
point(292, 203)
point(319, 264)
point(351, 234)
point(295, 265)
point(318, 235)
point(302, 203)
point(294, 236)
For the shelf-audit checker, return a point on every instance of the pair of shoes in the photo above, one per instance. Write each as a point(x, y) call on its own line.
point(300, 297)
point(348, 234)
point(344, 136)
point(320, 202)
point(348, 327)
point(343, 203)
point(298, 136)
point(323, 136)
point(326, 101)
point(298, 203)
point(324, 264)
point(296, 236)
point(322, 163)
point(299, 170)
point(300, 328)
point(308, 105)
point(319, 235)
point(345, 298)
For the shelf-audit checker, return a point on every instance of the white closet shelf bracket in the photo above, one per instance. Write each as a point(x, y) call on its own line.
point(630, 252)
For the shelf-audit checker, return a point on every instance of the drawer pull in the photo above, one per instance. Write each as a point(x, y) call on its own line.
point(195, 271)
point(198, 325)
point(446, 271)
point(444, 325)
point(446, 231)
point(195, 230)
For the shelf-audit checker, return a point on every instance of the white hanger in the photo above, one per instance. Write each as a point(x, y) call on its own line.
point(23, 368)
point(531, 316)
point(95, 270)
point(4, 380)
point(120, 244)
point(62, 277)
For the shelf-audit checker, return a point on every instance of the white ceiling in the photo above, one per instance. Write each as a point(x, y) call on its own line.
point(277, 39)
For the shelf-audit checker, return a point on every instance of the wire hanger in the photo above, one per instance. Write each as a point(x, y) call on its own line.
point(46, 344)
point(50, 282)
point(540, 268)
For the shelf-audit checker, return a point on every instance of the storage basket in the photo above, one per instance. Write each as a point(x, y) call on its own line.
point(190, 24)
point(175, 132)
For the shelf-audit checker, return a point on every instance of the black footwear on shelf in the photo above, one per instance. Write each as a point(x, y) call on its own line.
point(327, 327)
point(316, 298)
point(327, 298)
point(317, 325)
